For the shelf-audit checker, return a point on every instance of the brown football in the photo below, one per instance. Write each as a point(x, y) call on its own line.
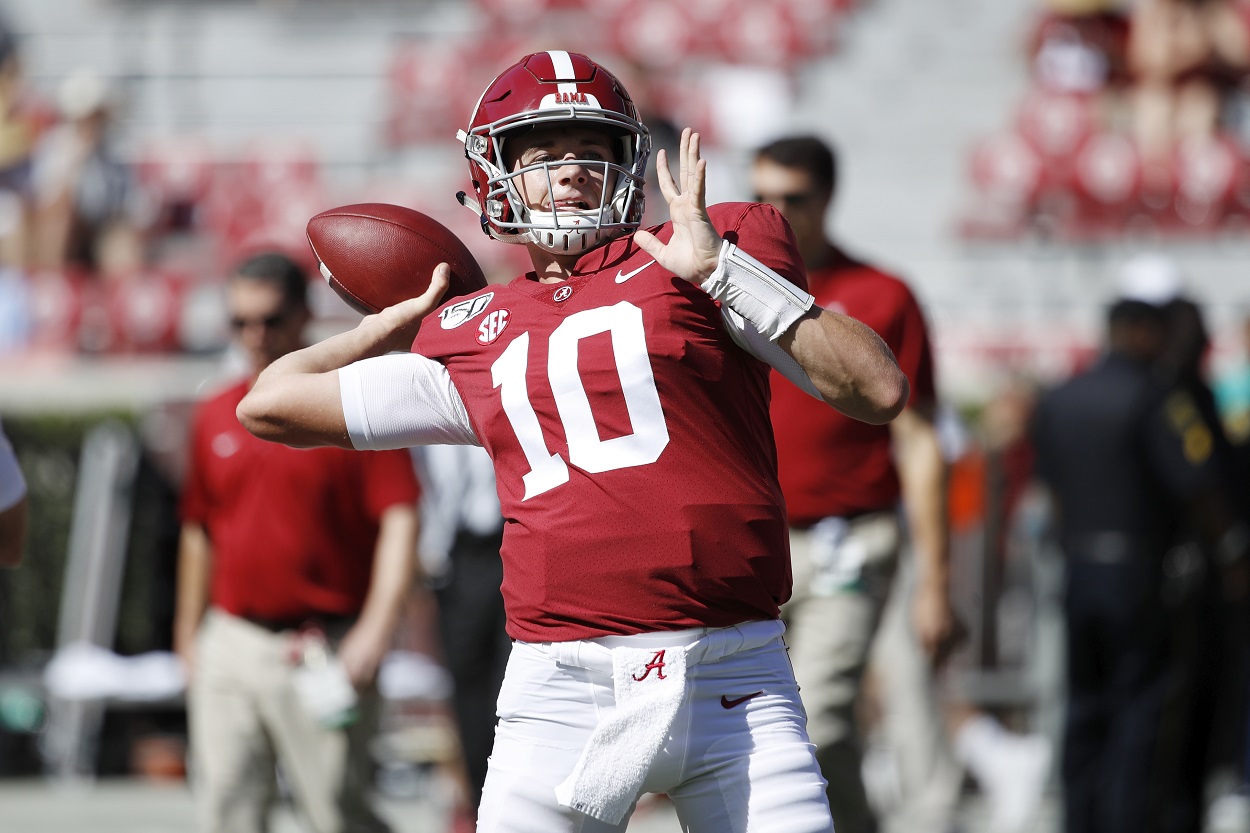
point(375, 255)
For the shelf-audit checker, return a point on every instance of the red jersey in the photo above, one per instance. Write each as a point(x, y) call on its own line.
point(293, 530)
point(830, 464)
point(633, 452)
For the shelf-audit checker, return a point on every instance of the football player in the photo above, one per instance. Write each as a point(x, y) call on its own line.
point(621, 388)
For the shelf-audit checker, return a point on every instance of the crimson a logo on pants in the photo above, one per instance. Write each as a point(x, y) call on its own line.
point(656, 664)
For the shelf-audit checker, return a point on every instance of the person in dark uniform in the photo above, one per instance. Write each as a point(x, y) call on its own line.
point(1208, 605)
point(1129, 462)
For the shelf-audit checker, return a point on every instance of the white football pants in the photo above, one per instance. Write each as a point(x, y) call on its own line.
point(737, 759)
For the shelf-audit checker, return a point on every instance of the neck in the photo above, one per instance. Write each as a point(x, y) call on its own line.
point(551, 268)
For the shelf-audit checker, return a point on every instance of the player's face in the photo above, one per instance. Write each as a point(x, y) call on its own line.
point(568, 186)
point(793, 193)
point(265, 324)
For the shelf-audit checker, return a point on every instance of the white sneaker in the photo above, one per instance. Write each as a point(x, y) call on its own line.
point(1230, 813)
point(1015, 782)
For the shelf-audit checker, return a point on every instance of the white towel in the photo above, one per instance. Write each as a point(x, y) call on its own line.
point(619, 753)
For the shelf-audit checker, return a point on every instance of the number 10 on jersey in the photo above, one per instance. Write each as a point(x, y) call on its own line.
point(649, 437)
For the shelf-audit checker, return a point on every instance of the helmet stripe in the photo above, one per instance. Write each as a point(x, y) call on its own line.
point(562, 64)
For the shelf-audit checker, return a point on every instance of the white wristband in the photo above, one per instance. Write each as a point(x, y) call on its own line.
point(770, 302)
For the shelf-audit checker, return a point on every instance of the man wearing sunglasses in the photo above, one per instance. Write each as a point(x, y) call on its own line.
point(855, 494)
point(293, 568)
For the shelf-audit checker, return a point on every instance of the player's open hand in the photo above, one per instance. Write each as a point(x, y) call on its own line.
point(694, 248)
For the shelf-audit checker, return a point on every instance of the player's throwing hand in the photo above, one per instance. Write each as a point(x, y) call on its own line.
point(694, 249)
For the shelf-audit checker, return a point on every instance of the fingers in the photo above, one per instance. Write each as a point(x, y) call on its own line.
point(691, 170)
point(648, 242)
point(668, 188)
point(439, 281)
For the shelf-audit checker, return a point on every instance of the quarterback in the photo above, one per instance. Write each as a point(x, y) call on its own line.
point(621, 388)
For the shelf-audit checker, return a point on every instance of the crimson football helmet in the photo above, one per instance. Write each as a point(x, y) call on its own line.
point(543, 88)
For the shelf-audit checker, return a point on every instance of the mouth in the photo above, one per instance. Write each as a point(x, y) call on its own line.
point(571, 205)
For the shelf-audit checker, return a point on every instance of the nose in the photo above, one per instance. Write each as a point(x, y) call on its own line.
point(571, 173)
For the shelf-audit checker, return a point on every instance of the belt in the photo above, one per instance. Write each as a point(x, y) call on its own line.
point(324, 622)
point(701, 644)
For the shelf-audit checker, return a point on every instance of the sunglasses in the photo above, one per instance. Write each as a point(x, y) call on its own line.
point(268, 322)
point(793, 200)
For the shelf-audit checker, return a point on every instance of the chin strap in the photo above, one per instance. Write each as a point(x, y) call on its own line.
point(764, 298)
point(472, 204)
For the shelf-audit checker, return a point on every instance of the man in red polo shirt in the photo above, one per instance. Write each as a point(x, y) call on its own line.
point(854, 494)
point(293, 567)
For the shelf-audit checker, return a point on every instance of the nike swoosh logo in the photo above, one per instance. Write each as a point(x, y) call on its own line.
point(726, 703)
point(621, 277)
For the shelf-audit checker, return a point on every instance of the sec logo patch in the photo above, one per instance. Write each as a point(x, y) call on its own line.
point(492, 326)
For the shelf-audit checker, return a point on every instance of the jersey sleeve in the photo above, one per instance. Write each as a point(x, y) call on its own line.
point(760, 231)
point(400, 400)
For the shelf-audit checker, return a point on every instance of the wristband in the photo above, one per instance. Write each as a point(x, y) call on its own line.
point(770, 302)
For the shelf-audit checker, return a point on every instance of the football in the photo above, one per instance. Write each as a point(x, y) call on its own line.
point(375, 255)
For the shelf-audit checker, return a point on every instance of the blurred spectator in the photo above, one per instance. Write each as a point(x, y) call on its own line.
point(1129, 462)
point(1232, 392)
point(13, 505)
point(854, 493)
point(1185, 57)
point(1079, 46)
point(23, 119)
point(83, 191)
point(462, 527)
point(294, 566)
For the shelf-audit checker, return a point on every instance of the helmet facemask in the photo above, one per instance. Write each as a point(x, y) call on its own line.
point(562, 231)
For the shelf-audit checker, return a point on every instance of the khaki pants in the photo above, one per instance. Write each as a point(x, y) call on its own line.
point(846, 611)
point(842, 578)
point(245, 717)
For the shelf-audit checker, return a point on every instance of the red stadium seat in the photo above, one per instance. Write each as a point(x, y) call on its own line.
point(144, 312)
point(427, 87)
point(1056, 125)
point(1006, 175)
point(657, 34)
point(56, 308)
point(1207, 170)
point(763, 34)
point(1107, 185)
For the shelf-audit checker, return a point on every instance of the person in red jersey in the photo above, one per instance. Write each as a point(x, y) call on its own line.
point(621, 389)
point(293, 568)
point(856, 492)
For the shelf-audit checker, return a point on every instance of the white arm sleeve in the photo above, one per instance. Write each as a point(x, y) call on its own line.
point(400, 400)
point(766, 350)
